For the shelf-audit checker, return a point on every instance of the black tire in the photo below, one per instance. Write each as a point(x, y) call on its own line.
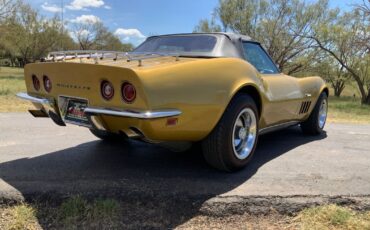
point(311, 126)
point(218, 147)
point(106, 136)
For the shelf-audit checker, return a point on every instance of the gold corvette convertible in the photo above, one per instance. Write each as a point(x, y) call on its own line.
point(221, 89)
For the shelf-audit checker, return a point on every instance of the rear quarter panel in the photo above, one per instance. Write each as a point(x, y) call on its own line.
point(201, 90)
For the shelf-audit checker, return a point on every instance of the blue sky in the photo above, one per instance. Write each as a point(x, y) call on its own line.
point(133, 20)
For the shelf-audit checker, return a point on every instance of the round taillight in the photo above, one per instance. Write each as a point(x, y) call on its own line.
point(47, 83)
point(35, 82)
point(107, 90)
point(128, 92)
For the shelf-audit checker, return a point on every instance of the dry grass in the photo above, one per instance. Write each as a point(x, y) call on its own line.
point(78, 213)
point(333, 217)
point(12, 82)
point(246, 221)
point(327, 217)
point(74, 213)
point(19, 217)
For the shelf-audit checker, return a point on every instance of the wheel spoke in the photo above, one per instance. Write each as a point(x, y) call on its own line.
point(245, 133)
point(239, 123)
point(323, 112)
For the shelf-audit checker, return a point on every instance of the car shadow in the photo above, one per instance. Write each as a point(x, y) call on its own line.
point(160, 188)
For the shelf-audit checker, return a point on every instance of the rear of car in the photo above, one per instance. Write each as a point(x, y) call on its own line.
point(98, 97)
point(138, 94)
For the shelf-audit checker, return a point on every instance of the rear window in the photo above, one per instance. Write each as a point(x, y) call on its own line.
point(178, 44)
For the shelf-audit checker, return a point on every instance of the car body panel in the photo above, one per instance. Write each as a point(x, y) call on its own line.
point(201, 88)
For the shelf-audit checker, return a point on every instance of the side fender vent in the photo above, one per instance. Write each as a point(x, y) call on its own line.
point(305, 107)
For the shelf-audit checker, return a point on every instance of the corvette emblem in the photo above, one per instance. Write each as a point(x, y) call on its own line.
point(72, 86)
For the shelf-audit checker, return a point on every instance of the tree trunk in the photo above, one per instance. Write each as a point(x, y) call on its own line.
point(338, 87)
point(366, 100)
point(338, 92)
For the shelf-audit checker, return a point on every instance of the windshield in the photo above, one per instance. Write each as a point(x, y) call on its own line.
point(178, 44)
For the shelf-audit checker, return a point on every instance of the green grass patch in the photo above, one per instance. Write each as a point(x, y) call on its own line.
point(12, 82)
point(100, 213)
point(333, 217)
point(348, 109)
point(73, 210)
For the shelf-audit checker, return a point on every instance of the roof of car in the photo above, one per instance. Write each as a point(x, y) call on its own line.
point(228, 44)
point(231, 36)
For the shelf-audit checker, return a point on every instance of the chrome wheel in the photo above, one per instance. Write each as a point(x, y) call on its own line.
point(323, 113)
point(244, 133)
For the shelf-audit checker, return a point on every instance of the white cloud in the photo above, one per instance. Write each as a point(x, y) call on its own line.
point(130, 35)
point(107, 7)
point(86, 19)
point(83, 4)
point(83, 33)
point(51, 8)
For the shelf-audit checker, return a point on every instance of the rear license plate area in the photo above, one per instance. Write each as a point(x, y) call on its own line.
point(74, 112)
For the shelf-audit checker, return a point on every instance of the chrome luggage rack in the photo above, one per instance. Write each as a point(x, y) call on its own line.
point(99, 55)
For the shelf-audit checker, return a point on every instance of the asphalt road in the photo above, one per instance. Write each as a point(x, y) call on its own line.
point(37, 156)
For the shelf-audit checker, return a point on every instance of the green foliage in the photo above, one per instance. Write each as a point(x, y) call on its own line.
point(345, 38)
point(305, 37)
point(277, 24)
point(96, 36)
point(207, 26)
point(26, 36)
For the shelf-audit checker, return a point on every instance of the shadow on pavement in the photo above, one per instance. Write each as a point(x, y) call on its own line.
point(159, 188)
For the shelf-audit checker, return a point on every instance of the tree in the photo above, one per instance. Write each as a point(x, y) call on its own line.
point(207, 26)
point(333, 73)
point(277, 24)
point(28, 37)
point(7, 8)
point(94, 35)
point(87, 33)
point(364, 38)
point(343, 36)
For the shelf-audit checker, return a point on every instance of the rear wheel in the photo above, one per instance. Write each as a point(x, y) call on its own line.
point(106, 136)
point(315, 123)
point(231, 144)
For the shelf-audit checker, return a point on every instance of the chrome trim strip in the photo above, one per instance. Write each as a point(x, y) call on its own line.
point(103, 54)
point(27, 97)
point(134, 114)
point(277, 127)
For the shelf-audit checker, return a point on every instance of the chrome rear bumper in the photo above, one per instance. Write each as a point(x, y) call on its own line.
point(27, 97)
point(50, 108)
point(133, 114)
